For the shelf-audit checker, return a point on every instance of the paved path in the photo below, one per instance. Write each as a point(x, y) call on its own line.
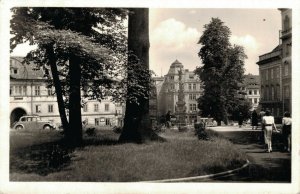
point(264, 167)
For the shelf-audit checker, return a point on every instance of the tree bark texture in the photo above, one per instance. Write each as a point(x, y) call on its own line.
point(74, 134)
point(137, 121)
point(58, 89)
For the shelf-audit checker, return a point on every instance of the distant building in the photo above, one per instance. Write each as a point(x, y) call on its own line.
point(29, 95)
point(275, 71)
point(167, 91)
point(250, 89)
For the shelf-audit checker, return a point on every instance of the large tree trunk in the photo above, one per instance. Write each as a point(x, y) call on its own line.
point(74, 134)
point(137, 127)
point(58, 89)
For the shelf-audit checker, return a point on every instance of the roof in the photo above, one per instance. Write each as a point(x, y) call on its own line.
point(177, 64)
point(175, 67)
point(24, 71)
point(251, 80)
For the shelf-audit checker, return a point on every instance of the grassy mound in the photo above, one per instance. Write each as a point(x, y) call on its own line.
point(102, 159)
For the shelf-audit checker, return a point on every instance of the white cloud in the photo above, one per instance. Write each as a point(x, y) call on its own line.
point(174, 34)
point(252, 50)
point(170, 40)
point(247, 41)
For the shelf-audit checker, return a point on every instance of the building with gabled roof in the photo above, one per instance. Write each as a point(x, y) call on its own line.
point(30, 94)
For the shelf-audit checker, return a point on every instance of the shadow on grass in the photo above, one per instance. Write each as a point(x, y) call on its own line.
point(259, 173)
point(40, 159)
point(50, 157)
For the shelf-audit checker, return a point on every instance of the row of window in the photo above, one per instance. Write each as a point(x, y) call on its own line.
point(38, 108)
point(253, 100)
point(273, 92)
point(191, 76)
point(192, 96)
point(190, 86)
point(21, 90)
point(96, 108)
point(193, 107)
point(272, 73)
point(253, 92)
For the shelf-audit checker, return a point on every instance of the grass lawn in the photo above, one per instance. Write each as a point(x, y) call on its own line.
point(40, 157)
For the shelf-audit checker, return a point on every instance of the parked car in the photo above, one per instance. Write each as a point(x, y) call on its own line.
point(33, 122)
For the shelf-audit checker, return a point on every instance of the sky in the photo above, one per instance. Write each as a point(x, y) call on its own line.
point(174, 34)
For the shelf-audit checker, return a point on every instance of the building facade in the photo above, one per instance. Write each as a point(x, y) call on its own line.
point(275, 71)
point(251, 90)
point(29, 95)
point(167, 91)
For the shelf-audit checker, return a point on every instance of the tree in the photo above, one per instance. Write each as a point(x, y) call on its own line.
point(222, 72)
point(84, 49)
point(137, 121)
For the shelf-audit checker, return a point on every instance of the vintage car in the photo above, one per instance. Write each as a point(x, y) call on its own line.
point(33, 122)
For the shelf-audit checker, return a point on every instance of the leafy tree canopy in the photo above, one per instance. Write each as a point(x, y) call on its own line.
point(222, 72)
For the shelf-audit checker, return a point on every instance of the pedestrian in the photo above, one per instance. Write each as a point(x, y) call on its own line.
point(254, 120)
point(286, 131)
point(268, 124)
point(168, 119)
point(240, 120)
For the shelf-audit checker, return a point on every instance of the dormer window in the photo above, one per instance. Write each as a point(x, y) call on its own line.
point(14, 71)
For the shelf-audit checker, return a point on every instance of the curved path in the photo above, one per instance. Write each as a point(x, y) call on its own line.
point(263, 167)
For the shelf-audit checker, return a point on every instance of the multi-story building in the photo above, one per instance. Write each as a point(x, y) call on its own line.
point(167, 93)
point(29, 95)
point(275, 71)
point(250, 89)
point(286, 57)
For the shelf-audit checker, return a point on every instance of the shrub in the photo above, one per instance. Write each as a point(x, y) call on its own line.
point(200, 131)
point(117, 129)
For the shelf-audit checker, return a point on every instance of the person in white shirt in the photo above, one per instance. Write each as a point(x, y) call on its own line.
point(286, 131)
point(268, 124)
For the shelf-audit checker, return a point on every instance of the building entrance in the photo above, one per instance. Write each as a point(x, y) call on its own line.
point(16, 114)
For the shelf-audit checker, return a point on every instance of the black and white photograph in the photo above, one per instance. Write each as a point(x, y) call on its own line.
point(141, 98)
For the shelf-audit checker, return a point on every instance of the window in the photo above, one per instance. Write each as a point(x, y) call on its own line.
point(250, 92)
point(266, 93)
point(190, 86)
point(85, 108)
point(171, 77)
point(172, 86)
point(286, 23)
point(50, 91)
point(272, 73)
point(37, 90)
point(194, 86)
point(286, 69)
point(192, 96)
point(286, 92)
point(97, 121)
point(277, 72)
point(278, 92)
point(106, 107)
point(50, 108)
point(272, 93)
point(255, 101)
point(96, 107)
point(192, 107)
point(267, 75)
point(255, 92)
point(107, 121)
point(38, 108)
point(14, 70)
point(191, 76)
